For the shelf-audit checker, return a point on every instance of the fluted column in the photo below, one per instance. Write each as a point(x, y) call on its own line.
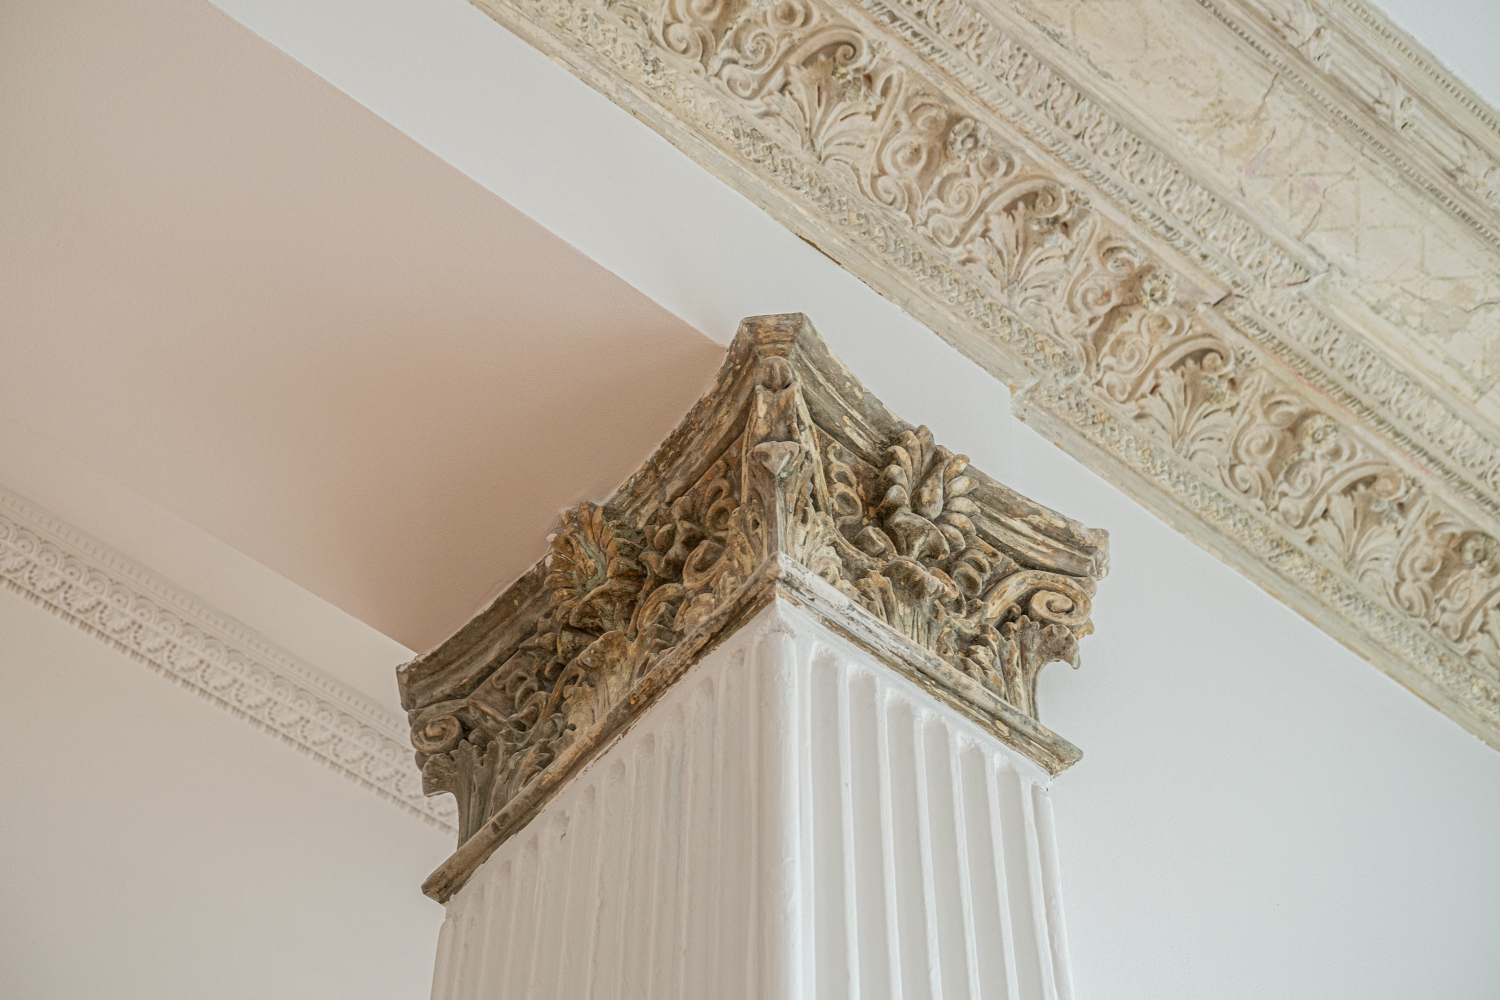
point(764, 723)
point(790, 820)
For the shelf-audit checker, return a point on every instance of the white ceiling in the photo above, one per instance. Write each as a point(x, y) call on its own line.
point(236, 291)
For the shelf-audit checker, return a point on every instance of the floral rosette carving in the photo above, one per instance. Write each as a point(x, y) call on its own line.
point(921, 566)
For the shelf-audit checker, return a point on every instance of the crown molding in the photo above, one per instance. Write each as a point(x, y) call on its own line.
point(1246, 359)
point(106, 595)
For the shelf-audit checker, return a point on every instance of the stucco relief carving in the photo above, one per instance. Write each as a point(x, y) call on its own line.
point(794, 473)
point(1165, 333)
point(104, 594)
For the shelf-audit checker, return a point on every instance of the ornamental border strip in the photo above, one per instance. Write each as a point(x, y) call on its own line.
point(731, 129)
point(1445, 428)
point(1425, 136)
point(108, 596)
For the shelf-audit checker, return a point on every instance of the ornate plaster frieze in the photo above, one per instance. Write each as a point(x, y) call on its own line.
point(101, 592)
point(1198, 277)
point(787, 480)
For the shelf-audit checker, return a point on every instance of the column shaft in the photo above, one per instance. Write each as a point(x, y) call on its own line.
point(792, 819)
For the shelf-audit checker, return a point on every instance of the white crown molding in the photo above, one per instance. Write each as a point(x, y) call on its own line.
point(108, 596)
point(1237, 357)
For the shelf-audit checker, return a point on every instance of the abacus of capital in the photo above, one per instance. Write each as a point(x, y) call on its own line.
point(764, 723)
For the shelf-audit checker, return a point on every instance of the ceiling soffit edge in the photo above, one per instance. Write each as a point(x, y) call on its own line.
point(105, 594)
point(1161, 329)
point(1374, 80)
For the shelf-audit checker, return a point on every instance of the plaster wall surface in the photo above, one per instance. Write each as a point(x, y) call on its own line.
point(251, 301)
point(157, 849)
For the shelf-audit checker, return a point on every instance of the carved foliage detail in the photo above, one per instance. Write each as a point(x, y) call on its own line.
point(882, 129)
point(902, 540)
point(1058, 263)
point(915, 558)
point(1187, 386)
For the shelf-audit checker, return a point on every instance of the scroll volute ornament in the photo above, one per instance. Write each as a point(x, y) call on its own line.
point(788, 479)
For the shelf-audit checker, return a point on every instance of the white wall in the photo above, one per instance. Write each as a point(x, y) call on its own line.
point(157, 849)
point(1258, 812)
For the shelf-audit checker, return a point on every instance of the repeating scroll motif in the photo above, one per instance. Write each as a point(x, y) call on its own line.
point(898, 536)
point(1385, 396)
point(1066, 269)
point(889, 128)
point(1450, 446)
point(1216, 407)
point(1154, 186)
point(1319, 482)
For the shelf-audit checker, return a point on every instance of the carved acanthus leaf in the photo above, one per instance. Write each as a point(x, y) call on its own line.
point(874, 509)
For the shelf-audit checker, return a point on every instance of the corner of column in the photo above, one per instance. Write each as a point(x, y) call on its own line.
point(764, 722)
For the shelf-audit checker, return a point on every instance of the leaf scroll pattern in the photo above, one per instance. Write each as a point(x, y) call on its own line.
point(903, 540)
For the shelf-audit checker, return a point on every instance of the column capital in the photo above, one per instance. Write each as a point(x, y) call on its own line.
point(787, 479)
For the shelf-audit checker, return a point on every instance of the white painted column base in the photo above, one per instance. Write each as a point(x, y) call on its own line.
point(791, 820)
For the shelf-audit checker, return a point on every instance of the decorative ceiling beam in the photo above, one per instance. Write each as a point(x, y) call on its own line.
point(1254, 287)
